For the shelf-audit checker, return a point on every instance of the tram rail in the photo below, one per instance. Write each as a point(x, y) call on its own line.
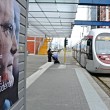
point(103, 81)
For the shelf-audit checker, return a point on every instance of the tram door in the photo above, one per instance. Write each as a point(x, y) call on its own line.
point(89, 49)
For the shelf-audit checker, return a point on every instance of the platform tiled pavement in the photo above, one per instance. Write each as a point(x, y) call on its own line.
point(57, 89)
point(34, 62)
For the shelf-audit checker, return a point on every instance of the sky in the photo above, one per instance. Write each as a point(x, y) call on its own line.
point(79, 30)
point(76, 31)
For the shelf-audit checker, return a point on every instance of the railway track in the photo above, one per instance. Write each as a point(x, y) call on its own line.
point(104, 82)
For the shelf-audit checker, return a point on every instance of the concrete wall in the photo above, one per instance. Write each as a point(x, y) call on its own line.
point(21, 104)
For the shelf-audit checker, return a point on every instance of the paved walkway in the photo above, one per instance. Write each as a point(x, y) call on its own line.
point(65, 87)
point(34, 62)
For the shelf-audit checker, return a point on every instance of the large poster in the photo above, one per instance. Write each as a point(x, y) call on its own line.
point(9, 39)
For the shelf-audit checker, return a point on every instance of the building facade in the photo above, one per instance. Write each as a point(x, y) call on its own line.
point(33, 44)
point(104, 14)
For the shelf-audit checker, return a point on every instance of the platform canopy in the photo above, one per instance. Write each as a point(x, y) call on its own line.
point(51, 18)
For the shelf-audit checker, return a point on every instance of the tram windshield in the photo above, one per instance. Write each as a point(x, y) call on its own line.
point(103, 44)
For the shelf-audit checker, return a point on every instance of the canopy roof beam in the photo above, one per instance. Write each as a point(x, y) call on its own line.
point(94, 2)
point(91, 23)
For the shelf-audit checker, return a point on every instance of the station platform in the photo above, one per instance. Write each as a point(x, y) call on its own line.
point(63, 87)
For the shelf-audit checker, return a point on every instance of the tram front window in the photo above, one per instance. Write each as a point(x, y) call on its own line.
point(103, 45)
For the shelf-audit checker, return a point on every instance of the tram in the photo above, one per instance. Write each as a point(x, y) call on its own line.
point(93, 51)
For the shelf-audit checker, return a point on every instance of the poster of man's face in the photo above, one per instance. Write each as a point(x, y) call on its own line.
point(9, 39)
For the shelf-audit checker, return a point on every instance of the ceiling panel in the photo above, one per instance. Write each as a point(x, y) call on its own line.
point(29, 15)
point(31, 0)
point(34, 7)
point(34, 23)
point(52, 14)
point(56, 24)
point(36, 14)
point(48, 27)
point(66, 27)
point(52, 18)
point(67, 15)
point(53, 32)
point(39, 27)
point(65, 24)
point(42, 19)
point(45, 23)
point(57, 27)
point(67, 7)
point(46, 31)
point(45, 1)
point(31, 19)
point(48, 7)
point(35, 32)
point(68, 1)
point(51, 29)
point(67, 20)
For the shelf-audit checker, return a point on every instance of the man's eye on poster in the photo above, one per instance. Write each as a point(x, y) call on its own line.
point(9, 42)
